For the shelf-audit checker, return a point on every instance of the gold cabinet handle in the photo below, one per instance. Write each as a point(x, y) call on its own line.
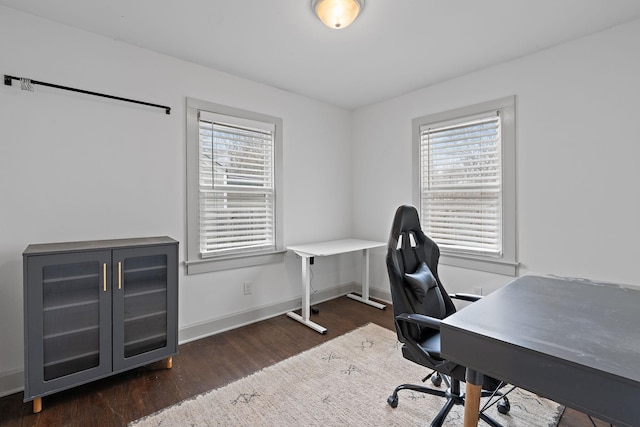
point(119, 275)
point(104, 277)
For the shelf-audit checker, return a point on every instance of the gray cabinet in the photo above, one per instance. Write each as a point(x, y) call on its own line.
point(93, 309)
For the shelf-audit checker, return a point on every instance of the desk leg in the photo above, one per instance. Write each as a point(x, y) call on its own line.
point(472, 398)
point(306, 298)
point(365, 285)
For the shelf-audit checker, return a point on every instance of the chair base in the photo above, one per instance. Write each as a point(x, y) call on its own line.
point(454, 397)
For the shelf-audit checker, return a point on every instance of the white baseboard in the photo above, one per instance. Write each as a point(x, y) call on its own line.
point(384, 296)
point(215, 326)
point(13, 381)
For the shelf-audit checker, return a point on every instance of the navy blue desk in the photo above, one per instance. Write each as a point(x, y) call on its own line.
point(573, 341)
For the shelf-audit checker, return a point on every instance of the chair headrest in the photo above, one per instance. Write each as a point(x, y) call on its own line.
point(406, 219)
point(405, 230)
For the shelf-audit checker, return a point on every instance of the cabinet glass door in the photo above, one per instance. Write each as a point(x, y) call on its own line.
point(70, 298)
point(145, 304)
point(73, 302)
point(141, 304)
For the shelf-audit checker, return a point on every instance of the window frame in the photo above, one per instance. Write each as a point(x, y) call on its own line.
point(195, 262)
point(506, 263)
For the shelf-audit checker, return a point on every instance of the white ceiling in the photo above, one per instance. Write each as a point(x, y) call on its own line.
point(394, 47)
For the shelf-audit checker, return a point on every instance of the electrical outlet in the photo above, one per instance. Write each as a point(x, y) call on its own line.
point(477, 290)
point(248, 288)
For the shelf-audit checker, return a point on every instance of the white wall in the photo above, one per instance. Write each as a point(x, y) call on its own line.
point(76, 167)
point(577, 112)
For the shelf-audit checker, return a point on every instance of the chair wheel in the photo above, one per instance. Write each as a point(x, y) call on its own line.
point(436, 380)
point(504, 407)
point(392, 401)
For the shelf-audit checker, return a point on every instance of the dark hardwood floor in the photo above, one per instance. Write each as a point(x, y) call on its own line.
point(201, 365)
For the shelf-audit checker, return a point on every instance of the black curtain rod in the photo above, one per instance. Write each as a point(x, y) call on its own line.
point(7, 81)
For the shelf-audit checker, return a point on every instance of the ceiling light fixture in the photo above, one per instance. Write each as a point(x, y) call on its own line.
point(337, 14)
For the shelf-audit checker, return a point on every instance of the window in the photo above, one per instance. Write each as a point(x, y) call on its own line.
point(465, 170)
point(232, 187)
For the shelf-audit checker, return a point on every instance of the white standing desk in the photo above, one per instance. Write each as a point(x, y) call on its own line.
point(309, 251)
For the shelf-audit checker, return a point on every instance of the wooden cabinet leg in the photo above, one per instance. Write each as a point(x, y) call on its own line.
point(37, 405)
point(169, 362)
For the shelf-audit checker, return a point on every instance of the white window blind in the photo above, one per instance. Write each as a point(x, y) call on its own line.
point(237, 185)
point(461, 184)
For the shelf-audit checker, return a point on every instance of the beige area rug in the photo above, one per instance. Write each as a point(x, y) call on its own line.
point(345, 381)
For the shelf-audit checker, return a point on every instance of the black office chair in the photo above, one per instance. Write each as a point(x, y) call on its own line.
point(419, 303)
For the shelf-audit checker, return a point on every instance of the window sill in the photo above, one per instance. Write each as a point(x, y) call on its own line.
point(497, 266)
point(236, 261)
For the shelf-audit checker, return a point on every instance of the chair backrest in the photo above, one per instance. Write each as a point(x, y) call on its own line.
point(414, 288)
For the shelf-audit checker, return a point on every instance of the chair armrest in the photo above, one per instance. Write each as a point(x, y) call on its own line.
point(466, 297)
point(420, 320)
